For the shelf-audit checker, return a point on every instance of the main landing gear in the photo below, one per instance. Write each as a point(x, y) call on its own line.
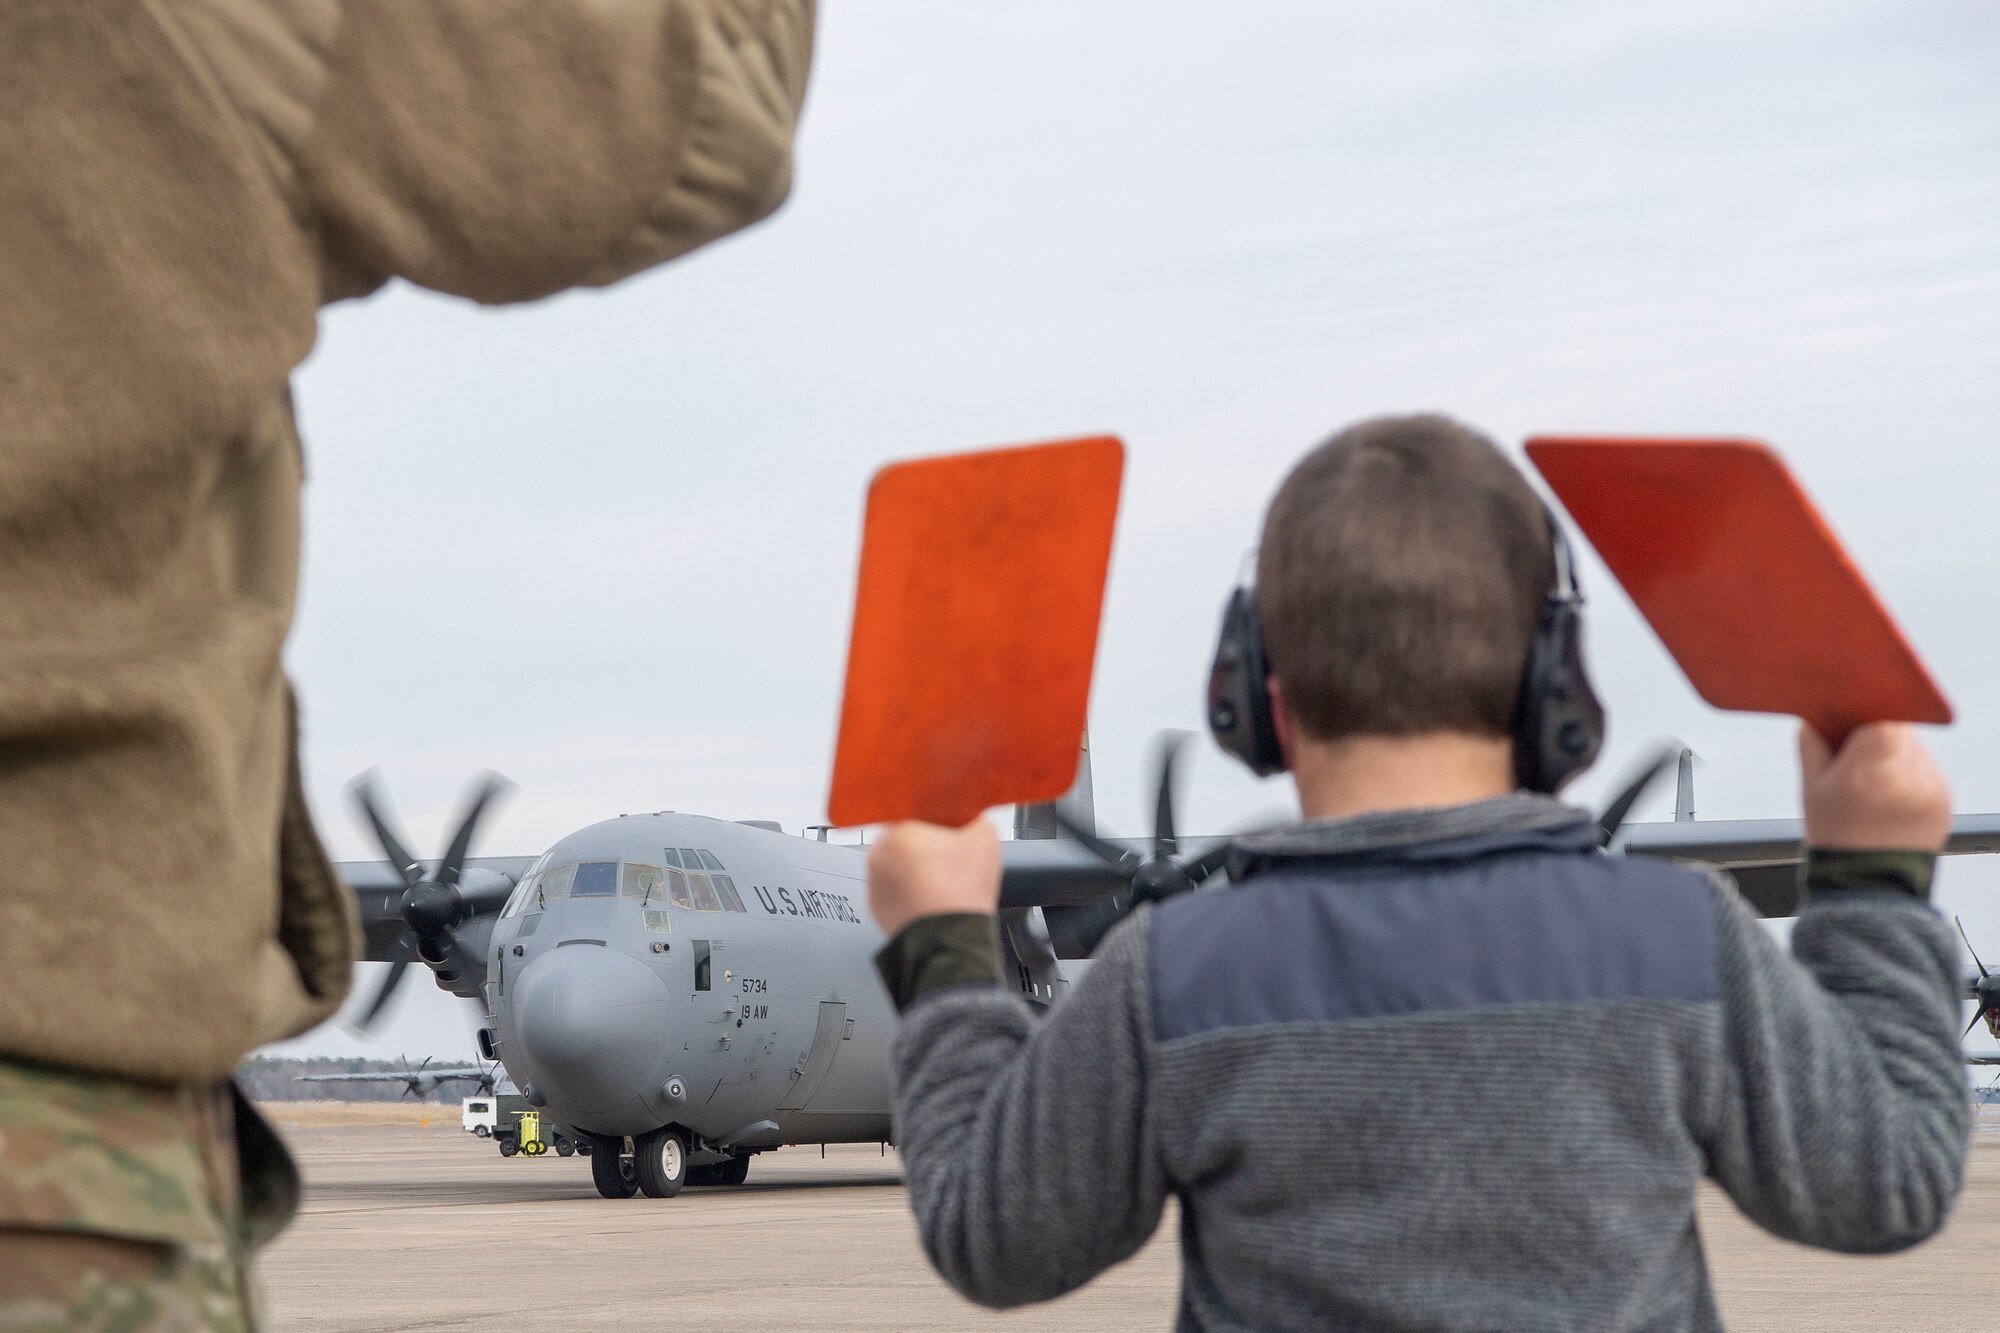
point(657, 1165)
point(732, 1172)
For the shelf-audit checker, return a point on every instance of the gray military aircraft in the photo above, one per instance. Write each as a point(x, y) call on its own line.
point(420, 1082)
point(686, 992)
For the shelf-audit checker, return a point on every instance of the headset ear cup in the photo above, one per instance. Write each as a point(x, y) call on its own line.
point(1239, 695)
point(1558, 719)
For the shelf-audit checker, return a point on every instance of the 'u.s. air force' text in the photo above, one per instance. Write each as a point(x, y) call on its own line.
point(816, 903)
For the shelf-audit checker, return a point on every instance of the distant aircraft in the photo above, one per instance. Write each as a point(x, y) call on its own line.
point(419, 1082)
point(686, 992)
point(1983, 989)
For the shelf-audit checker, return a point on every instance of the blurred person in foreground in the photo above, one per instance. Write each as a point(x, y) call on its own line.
point(183, 183)
point(1288, 1056)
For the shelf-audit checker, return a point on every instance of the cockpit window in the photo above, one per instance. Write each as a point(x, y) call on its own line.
point(725, 889)
point(595, 879)
point(554, 884)
point(705, 898)
point(524, 889)
point(639, 883)
point(674, 857)
point(708, 859)
point(677, 886)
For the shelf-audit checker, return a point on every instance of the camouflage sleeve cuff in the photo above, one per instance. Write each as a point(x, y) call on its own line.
point(932, 952)
point(1886, 868)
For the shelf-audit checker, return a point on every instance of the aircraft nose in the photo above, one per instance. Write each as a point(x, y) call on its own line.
point(593, 1025)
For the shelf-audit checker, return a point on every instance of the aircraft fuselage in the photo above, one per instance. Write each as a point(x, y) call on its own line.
point(677, 970)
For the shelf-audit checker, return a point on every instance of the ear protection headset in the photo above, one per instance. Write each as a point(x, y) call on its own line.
point(1558, 723)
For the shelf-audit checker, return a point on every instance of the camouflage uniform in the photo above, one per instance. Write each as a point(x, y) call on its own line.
point(131, 1206)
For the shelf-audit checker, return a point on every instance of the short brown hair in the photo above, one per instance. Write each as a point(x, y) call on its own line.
point(1401, 570)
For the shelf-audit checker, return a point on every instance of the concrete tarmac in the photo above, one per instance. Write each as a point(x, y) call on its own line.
point(410, 1226)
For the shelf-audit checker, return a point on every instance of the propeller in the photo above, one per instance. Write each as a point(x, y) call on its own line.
point(1985, 991)
point(1149, 877)
point(1621, 805)
point(413, 1079)
point(433, 905)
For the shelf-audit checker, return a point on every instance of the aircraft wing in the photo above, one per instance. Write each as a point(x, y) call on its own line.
point(378, 894)
point(397, 1076)
point(1762, 855)
point(1982, 1059)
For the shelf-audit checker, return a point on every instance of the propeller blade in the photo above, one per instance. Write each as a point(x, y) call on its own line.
point(399, 856)
point(461, 842)
point(1614, 814)
point(1164, 841)
point(1977, 1014)
point(1969, 949)
point(399, 962)
point(1115, 857)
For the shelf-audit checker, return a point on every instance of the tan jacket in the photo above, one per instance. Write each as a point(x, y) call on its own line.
point(183, 183)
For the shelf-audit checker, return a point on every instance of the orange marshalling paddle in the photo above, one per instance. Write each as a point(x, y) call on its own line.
point(1741, 578)
point(975, 629)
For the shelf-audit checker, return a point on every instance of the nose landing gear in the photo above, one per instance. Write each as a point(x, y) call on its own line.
point(661, 1160)
point(611, 1169)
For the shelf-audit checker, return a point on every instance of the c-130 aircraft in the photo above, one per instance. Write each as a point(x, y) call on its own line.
point(685, 992)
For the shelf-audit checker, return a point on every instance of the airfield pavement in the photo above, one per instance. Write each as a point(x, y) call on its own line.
point(408, 1226)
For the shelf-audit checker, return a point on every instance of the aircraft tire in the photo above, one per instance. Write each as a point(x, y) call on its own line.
point(661, 1158)
point(734, 1171)
point(563, 1146)
point(508, 1147)
point(611, 1172)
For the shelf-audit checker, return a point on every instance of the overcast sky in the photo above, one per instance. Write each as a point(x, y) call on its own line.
point(606, 544)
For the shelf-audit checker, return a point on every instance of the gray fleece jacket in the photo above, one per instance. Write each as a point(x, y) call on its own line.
point(1449, 1069)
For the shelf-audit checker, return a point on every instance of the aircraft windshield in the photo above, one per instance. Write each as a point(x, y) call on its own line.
point(641, 883)
point(524, 892)
point(554, 885)
point(595, 879)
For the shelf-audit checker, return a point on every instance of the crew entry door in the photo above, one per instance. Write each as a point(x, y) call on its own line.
point(826, 1044)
